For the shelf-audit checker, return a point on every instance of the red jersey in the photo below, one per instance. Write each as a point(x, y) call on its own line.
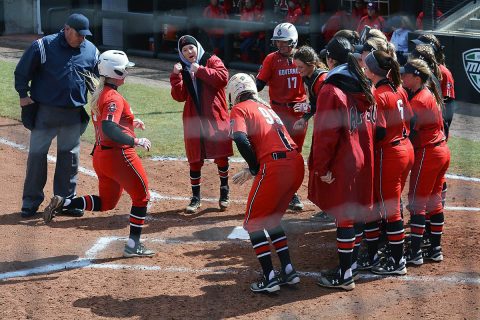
point(215, 12)
point(263, 127)
point(429, 120)
point(393, 113)
point(448, 90)
point(284, 82)
point(112, 107)
point(376, 22)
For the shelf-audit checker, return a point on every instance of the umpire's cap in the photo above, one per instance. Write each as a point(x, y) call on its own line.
point(80, 23)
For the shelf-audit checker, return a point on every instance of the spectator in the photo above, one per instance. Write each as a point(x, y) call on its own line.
point(335, 23)
point(216, 36)
point(372, 19)
point(199, 80)
point(400, 38)
point(421, 15)
point(249, 38)
point(50, 74)
point(294, 13)
point(358, 11)
point(305, 6)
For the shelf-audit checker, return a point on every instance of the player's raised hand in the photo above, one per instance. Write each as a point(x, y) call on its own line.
point(177, 68)
point(194, 67)
point(137, 123)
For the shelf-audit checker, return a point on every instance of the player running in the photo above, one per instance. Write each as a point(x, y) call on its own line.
point(115, 160)
point(277, 168)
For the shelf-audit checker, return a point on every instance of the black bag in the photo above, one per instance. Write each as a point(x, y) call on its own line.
point(29, 113)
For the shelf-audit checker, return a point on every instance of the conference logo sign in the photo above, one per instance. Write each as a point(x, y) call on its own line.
point(471, 63)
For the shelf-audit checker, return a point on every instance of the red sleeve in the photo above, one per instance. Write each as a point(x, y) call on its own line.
point(178, 91)
point(214, 74)
point(327, 129)
point(381, 111)
point(112, 109)
point(265, 72)
point(237, 120)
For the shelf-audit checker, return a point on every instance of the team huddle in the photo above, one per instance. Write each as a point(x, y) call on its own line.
point(375, 124)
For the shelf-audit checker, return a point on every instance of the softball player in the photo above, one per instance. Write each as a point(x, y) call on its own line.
point(337, 154)
point(393, 158)
point(277, 168)
point(285, 86)
point(199, 81)
point(115, 160)
point(432, 158)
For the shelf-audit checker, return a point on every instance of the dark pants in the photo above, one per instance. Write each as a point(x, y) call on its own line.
point(51, 122)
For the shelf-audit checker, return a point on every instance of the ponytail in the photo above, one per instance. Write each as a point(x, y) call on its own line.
point(355, 68)
point(96, 96)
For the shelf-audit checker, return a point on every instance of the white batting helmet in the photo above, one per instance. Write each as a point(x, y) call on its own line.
point(113, 64)
point(238, 84)
point(286, 32)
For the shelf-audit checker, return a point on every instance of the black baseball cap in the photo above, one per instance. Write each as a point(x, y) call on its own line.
point(80, 23)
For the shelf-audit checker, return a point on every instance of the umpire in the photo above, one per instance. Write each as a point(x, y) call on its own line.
point(50, 80)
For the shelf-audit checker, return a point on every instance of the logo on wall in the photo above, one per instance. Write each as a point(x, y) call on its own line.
point(471, 63)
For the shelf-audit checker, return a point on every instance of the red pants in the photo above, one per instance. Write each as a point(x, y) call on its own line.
point(118, 169)
point(426, 181)
point(272, 189)
point(289, 117)
point(392, 166)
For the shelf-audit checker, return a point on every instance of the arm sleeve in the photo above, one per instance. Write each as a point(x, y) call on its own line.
point(214, 74)
point(25, 69)
point(179, 90)
point(115, 133)
point(264, 74)
point(245, 148)
point(327, 130)
point(380, 133)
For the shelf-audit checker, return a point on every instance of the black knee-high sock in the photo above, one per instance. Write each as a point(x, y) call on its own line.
point(137, 220)
point(444, 193)
point(417, 227)
point(279, 241)
point(358, 227)
point(262, 250)
point(345, 244)
point(436, 225)
point(223, 173)
point(89, 203)
point(372, 234)
point(396, 236)
point(195, 181)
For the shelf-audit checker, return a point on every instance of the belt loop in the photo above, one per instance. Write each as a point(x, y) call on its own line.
point(274, 156)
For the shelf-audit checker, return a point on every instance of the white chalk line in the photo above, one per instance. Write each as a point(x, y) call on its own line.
point(103, 242)
point(155, 196)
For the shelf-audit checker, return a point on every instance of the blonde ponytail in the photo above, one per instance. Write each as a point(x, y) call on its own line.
point(96, 96)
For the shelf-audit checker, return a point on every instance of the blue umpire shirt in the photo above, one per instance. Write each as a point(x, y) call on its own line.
point(54, 69)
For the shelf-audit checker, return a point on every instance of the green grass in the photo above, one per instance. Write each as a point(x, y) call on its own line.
point(163, 119)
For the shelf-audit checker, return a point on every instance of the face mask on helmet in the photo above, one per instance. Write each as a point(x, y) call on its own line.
point(237, 85)
point(114, 64)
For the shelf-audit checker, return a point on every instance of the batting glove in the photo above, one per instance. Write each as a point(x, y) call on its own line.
point(143, 142)
point(242, 176)
point(303, 107)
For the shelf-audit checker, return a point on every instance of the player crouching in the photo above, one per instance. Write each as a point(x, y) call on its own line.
point(277, 168)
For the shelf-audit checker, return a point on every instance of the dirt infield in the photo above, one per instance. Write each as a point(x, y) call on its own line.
point(72, 268)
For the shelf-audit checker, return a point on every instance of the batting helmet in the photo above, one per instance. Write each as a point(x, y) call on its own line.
point(286, 32)
point(238, 84)
point(113, 64)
